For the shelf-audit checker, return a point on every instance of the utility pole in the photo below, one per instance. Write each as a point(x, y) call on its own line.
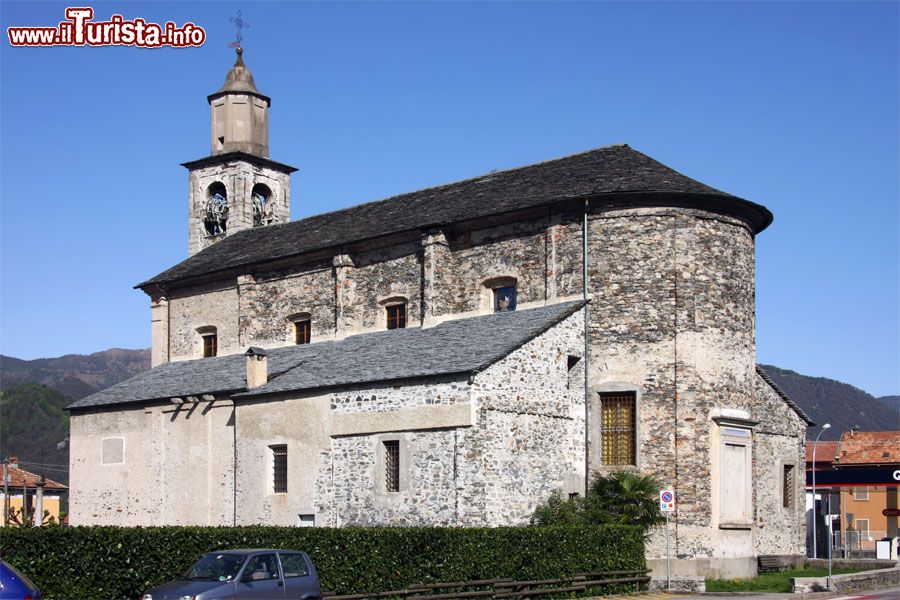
point(5, 492)
point(815, 509)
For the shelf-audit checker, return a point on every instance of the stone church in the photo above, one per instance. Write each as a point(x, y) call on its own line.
point(450, 356)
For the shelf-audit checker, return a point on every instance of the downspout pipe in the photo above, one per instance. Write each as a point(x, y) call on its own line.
point(587, 396)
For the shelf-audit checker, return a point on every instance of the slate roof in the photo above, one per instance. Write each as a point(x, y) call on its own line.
point(609, 172)
point(762, 373)
point(461, 346)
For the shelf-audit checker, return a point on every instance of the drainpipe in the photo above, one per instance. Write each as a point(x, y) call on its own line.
point(587, 396)
point(234, 462)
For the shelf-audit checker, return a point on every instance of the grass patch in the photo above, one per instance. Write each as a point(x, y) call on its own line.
point(778, 581)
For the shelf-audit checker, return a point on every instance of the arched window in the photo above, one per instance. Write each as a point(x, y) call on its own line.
point(503, 293)
point(300, 326)
point(261, 203)
point(394, 315)
point(215, 218)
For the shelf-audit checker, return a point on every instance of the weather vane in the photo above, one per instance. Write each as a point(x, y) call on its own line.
point(241, 24)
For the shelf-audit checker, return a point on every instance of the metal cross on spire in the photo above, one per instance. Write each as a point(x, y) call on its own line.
point(241, 24)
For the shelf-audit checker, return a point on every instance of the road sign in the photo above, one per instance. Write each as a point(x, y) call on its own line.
point(891, 512)
point(667, 501)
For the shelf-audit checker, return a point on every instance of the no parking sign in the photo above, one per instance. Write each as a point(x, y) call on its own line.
point(667, 501)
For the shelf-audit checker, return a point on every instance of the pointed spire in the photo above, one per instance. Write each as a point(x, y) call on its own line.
point(239, 78)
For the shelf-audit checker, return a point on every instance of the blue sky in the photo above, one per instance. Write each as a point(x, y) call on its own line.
point(792, 105)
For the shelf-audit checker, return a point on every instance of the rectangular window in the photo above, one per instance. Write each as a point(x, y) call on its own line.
point(210, 345)
point(293, 565)
point(260, 568)
point(302, 331)
point(617, 428)
point(504, 299)
point(573, 372)
point(862, 526)
point(392, 466)
point(861, 493)
point(396, 316)
point(787, 483)
point(279, 469)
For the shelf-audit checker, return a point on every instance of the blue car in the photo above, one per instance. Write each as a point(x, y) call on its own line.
point(244, 575)
point(14, 585)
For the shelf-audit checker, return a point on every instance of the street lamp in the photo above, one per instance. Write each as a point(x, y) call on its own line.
point(824, 427)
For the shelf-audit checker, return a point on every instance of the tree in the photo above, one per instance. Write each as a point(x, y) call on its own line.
point(621, 497)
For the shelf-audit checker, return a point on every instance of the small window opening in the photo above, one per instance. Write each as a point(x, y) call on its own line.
point(303, 520)
point(787, 500)
point(302, 331)
point(396, 316)
point(392, 465)
point(617, 428)
point(572, 371)
point(210, 345)
point(279, 469)
point(861, 493)
point(505, 298)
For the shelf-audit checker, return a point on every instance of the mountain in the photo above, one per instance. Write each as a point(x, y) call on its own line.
point(33, 420)
point(892, 402)
point(75, 375)
point(35, 393)
point(829, 401)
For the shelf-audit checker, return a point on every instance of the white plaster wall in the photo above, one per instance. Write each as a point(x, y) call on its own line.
point(302, 424)
point(177, 466)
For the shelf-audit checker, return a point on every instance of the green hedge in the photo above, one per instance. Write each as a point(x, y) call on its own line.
point(118, 562)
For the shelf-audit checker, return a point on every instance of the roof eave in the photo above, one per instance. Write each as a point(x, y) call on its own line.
point(238, 155)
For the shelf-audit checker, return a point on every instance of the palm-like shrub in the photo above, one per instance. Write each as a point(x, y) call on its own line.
point(620, 498)
point(624, 498)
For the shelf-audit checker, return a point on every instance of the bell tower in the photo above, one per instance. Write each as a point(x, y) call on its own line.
point(237, 186)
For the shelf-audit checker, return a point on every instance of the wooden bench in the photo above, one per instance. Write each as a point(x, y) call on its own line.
point(772, 562)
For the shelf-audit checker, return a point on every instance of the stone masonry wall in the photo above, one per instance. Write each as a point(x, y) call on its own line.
point(378, 277)
point(210, 305)
point(674, 288)
point(238, 177)
point(350, 488)
point(282, 296)
point(529, 440)
point(779, 440)
point(515, 250)
point(526, 442)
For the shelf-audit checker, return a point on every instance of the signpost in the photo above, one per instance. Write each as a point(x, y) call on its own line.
point(666, 506)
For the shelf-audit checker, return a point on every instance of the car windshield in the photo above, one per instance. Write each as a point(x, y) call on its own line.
point(216, 567)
